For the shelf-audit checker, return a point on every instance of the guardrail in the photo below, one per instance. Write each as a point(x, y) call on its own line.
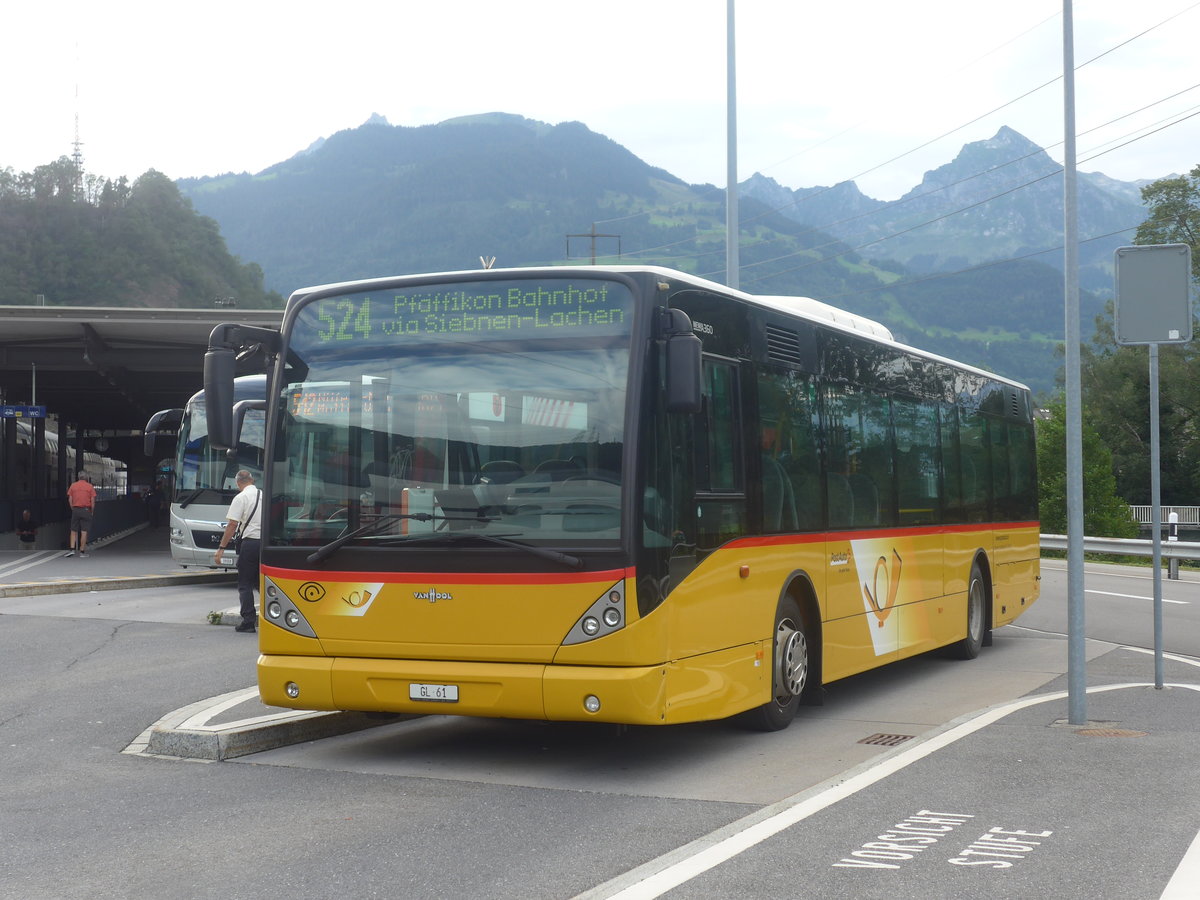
point(1172, 551)
point(1188, 515)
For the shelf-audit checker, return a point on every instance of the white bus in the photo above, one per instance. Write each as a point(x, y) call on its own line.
point(202, 483)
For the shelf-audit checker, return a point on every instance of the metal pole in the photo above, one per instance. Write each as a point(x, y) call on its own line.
point(1076, 629)
point(732, 263)
point(1156, 518)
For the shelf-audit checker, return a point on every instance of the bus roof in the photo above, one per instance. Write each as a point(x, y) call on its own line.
point(803, 307)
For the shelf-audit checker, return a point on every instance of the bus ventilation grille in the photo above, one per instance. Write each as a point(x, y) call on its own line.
point(783, 345)
point(886, 740)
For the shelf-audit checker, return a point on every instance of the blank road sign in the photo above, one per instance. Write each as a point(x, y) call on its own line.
point(1153, 304)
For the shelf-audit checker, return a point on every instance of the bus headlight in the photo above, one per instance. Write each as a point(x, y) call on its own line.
point(279, 609)
point(602, 618)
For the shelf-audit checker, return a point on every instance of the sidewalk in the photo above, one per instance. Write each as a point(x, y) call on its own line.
point(140, 557)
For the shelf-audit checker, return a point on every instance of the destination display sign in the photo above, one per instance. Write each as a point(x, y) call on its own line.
point(482, 310)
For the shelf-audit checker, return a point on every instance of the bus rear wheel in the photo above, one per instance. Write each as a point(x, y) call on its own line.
point(968, 647)
point(789, 671)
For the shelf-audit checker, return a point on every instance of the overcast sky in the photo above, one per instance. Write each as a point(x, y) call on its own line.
point(826, 91)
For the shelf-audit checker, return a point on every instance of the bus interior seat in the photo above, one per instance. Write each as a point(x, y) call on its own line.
point(841, 501)
point(866, 499)
point(500, 471)
point(556, 469)
point(779, 501)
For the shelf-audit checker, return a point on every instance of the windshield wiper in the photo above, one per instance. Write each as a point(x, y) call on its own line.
point(371, 527)
point(564, 559)
point(337, 543)
point(190, 497)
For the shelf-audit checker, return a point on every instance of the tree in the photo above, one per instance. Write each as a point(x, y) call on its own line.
point(1105, 514)
point(1174, 214)
point(1116, 379)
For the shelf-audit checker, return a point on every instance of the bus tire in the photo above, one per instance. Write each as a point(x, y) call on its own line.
point(968, 647)
point(790, 660)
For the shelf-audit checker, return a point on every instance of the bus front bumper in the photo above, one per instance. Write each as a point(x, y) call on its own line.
point(631, 695)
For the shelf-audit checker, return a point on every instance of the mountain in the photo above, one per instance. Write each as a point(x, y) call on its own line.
point(997, 199)
point(385, 200)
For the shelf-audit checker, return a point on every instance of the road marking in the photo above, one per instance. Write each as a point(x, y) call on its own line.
point(1140, 573)
point(1134, 597)
point(12, 568)
point(669, 871)
point(1189, 660)
point(1182, 885)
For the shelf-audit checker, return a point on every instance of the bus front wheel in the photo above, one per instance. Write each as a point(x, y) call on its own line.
point(789, 671)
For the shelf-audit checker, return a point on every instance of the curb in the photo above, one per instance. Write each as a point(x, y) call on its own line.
point(191, 733)
point(38, 588)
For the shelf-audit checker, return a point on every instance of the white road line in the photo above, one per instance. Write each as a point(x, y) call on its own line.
point(1141, 574)
point(668, 872)
point(1189, 660)
point(14, 567)
point(1135, 597)
point(1182, 885)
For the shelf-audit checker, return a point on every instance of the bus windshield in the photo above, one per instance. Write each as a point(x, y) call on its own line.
point(204, 474)
point(493, 408)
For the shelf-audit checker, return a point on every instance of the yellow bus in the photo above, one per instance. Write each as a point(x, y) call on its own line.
point(618, 494)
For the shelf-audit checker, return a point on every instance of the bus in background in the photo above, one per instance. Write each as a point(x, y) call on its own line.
point(619, 494)
point(201, 484)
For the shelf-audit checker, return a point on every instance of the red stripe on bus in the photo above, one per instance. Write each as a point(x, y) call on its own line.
point(608, 575)
point(768, 540)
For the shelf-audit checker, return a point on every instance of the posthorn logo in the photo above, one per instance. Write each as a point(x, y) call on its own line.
point(433, 595)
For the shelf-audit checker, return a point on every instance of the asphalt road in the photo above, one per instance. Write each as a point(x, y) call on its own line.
point(446, 807)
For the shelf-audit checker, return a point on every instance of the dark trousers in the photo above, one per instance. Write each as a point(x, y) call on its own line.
point(247, 568)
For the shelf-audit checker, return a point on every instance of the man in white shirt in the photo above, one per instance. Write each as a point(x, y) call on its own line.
point(245, 512)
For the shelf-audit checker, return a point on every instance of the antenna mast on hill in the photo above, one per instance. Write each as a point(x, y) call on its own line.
point(77, 146)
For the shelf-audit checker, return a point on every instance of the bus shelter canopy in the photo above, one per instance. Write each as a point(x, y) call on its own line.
point(107, 368)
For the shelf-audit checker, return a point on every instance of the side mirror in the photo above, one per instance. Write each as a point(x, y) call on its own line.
point(163, 422)
point(219, 367)
point(683, 354)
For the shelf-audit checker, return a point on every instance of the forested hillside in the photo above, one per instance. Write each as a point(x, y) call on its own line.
point(66, 240)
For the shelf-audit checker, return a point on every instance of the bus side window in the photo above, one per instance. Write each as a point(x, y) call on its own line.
point(720, 500)
point(917, 483)
point(861, 482)
point(976, 466)
point(791, 474)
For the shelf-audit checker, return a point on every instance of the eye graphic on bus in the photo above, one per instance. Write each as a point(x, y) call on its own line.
point(311, 591)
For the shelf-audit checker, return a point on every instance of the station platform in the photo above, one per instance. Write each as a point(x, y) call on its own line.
point(139, 557)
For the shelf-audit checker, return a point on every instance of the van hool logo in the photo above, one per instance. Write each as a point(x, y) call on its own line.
point(433, 595)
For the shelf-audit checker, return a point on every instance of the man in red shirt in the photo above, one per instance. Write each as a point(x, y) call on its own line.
point(82, 497)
